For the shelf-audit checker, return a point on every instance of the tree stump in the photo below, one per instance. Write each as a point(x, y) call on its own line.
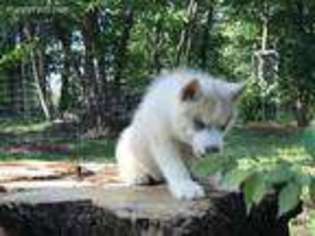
point(145, 210)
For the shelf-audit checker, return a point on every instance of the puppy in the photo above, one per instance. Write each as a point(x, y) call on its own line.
point(182, 108)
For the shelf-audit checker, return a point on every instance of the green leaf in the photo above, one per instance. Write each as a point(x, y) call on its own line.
point(312, 189)
point(289, 197)
point(309, 142)
point(235, 177)
point(255, 189)
point(279, 175)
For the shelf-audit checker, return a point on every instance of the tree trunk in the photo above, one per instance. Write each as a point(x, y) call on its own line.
point(205, 43)
point(39, 91)
point(15, 90)
point(139, 211)
point(120, 56)
point(64, 103)
point(303, 115)
point(65, 37)
point(91, 84)
point(24, 87)
point(40, 56)
point(36, 74)
point(304, 104)
point(184, 45)
point(15, 81)
point(157, 42)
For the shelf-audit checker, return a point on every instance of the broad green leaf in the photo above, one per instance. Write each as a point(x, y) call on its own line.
point(235, 177)
point(309, 142)
point(280, 175)
point(255, 189)
point(289, 197)
point(312, 189)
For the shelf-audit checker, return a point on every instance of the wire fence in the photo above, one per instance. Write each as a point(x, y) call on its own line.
point(25, 132)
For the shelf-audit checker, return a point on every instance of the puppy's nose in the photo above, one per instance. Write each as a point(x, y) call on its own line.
point(212, 149)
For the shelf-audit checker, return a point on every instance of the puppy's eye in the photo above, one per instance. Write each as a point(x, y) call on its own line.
point(199, 124)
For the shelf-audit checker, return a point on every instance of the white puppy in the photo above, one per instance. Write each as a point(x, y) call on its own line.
point(182, 109)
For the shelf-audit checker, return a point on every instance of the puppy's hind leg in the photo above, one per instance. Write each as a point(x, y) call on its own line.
point(131, 163)
point(129, 170)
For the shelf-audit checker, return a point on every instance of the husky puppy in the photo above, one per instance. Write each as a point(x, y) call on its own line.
point(182, 109)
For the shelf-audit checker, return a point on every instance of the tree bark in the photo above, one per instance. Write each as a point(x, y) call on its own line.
point(120, 56)
point(204, 48)
point(136, 211)
point(65, 37)
point(157, 42)
point(184, 45)
point(15, 89)
point(91, 84)
point(303, 113)
point(14, 83)
point(36, 74)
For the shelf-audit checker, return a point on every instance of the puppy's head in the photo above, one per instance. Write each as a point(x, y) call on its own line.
point(207, 112)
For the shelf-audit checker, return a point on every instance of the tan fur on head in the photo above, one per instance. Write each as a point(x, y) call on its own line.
point(191, 90)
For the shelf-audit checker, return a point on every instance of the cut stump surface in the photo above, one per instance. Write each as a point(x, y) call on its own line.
point(115, 209)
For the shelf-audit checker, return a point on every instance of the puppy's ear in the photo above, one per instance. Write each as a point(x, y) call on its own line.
point(236, 90)
point(191, 91)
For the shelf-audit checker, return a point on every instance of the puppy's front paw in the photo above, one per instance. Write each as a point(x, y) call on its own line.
point(187, 190)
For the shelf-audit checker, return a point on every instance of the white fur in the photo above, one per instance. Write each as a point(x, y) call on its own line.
point(150, 148)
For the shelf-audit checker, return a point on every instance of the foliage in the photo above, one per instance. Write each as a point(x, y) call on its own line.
point(297, 49)
point(17, 54)
point(124, 42)
point(261, 162)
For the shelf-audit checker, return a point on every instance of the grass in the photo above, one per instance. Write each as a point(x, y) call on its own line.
point(256, 142)
point(42, 133)
point(259, 146)
point(21, 127)
point(96, 150)
point(262, 146)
